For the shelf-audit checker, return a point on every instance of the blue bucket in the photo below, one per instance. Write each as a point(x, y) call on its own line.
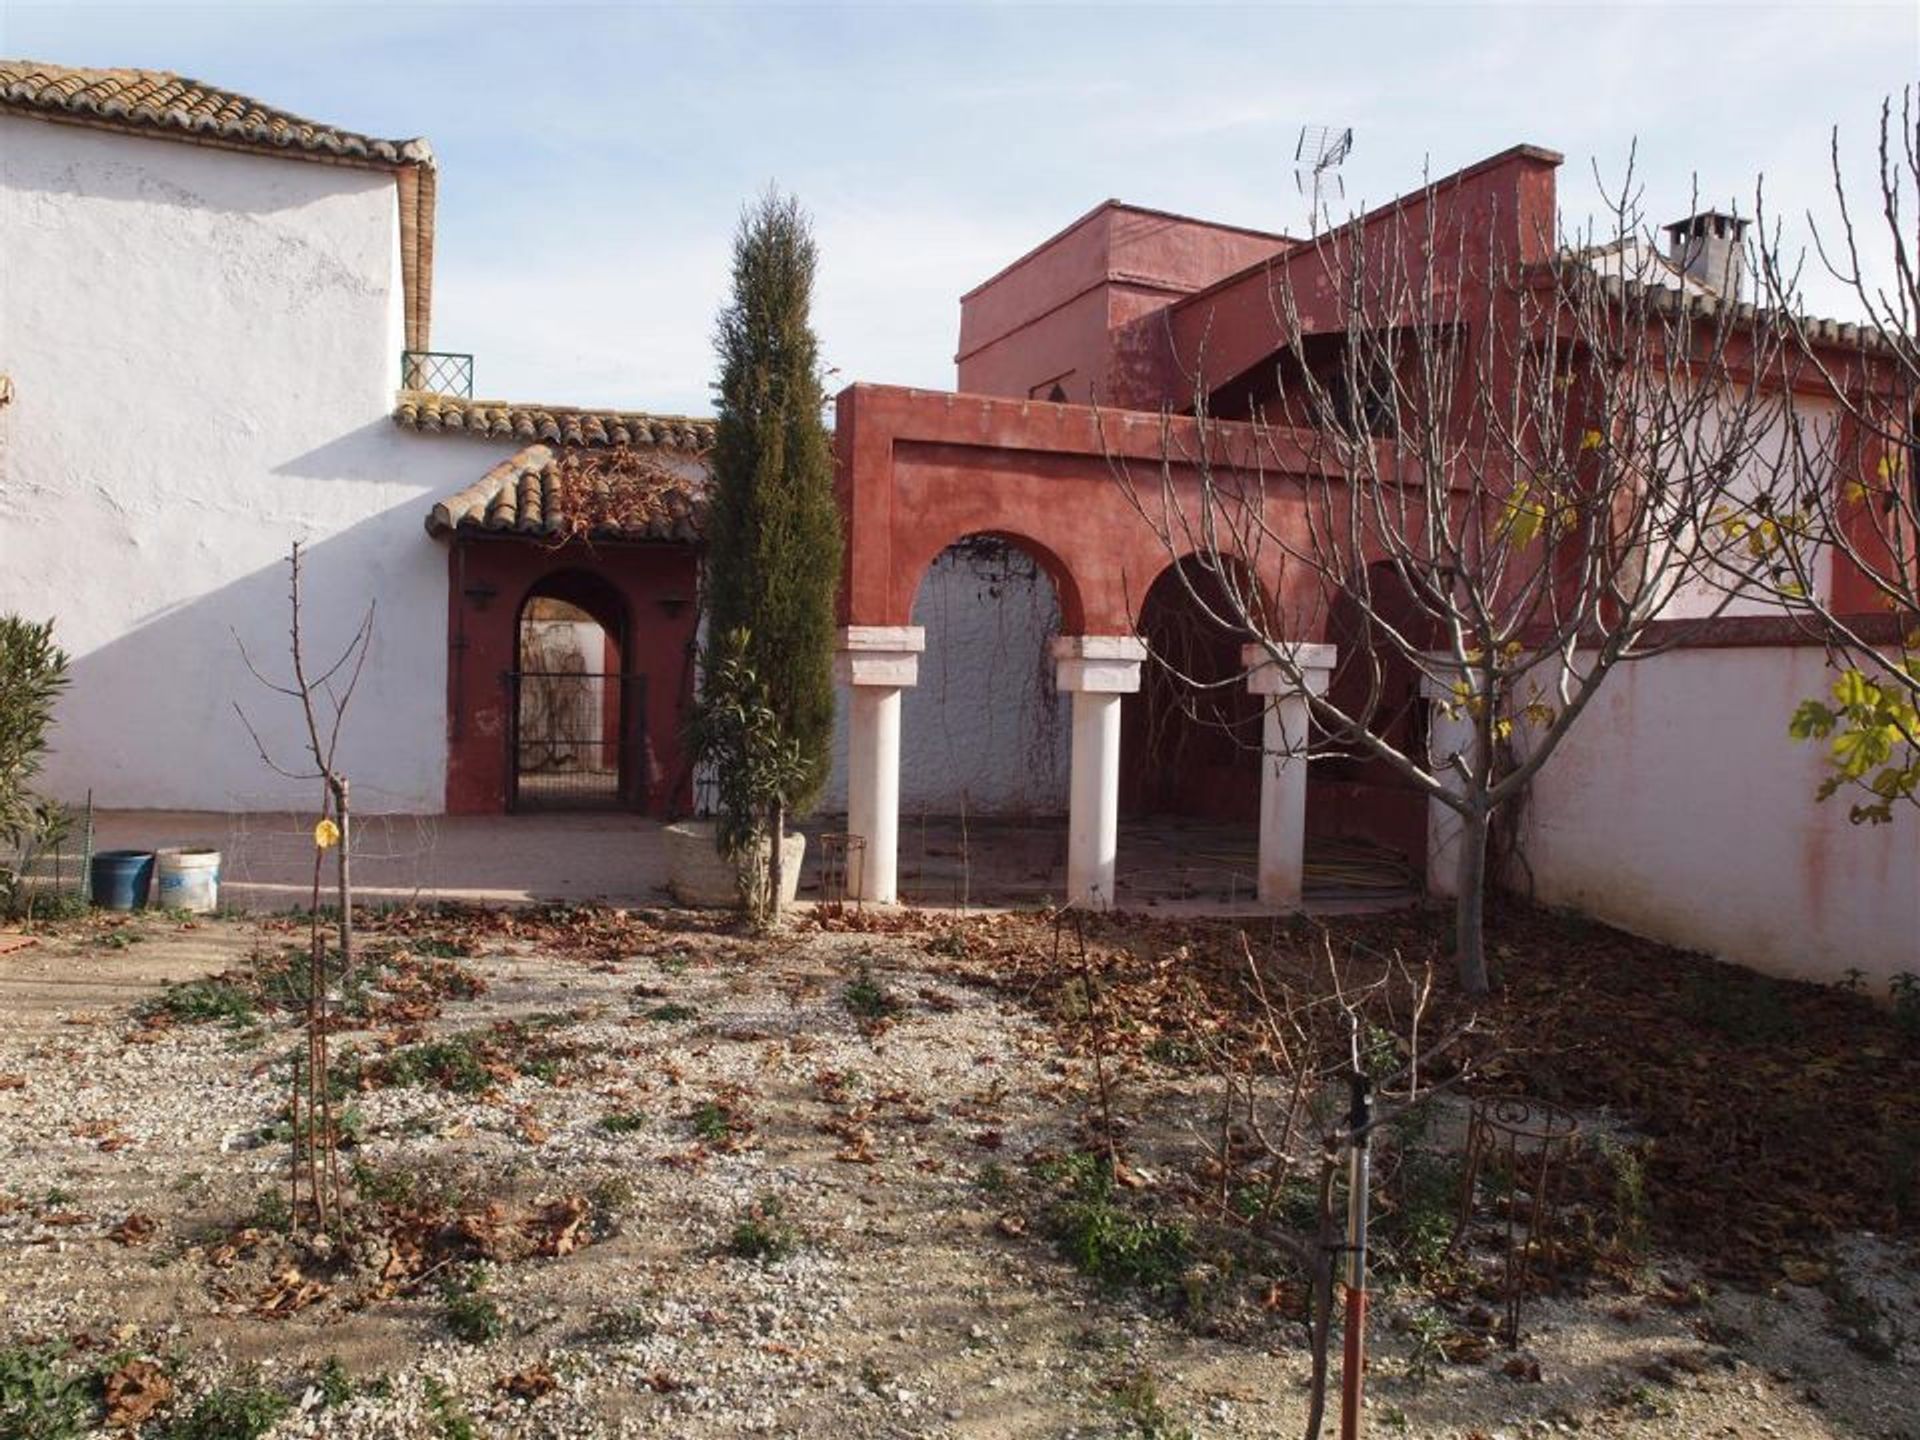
point(121, 879)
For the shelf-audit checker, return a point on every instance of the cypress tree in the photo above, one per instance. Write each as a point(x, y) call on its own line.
point(773, 559)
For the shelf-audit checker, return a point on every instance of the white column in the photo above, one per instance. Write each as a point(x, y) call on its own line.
point(876, 662)
point(1283, 762)
point(1097, 670)
point(1450, 734)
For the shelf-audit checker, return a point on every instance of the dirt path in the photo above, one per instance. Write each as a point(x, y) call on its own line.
point(920, 1298)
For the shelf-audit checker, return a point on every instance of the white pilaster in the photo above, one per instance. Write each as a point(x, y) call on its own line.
point(876, 662)
point(1283, 761)
point(1451, 741)
point(1097, 670)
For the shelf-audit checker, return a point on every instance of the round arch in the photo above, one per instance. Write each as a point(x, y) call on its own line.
point(1066, 589)
point(571, 714)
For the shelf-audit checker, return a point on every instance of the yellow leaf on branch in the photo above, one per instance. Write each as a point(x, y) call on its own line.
point(326, 834)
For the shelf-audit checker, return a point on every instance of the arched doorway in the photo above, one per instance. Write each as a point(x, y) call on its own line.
point(1191, 736)
point(577, 713)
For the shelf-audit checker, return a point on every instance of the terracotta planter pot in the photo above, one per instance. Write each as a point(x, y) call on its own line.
point(701, 878)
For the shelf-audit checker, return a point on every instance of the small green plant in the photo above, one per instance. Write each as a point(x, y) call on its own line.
point(455, 1064)
point(713, 1121)
point(672, 1013)
point(334, 1383)
point(121, 939)
point(1904, 991)
point(1427, 1331)
point(622, 1122)
point(200, 1002)
point(242, 1409)
point(1628, 1214)
point(866, 998)
point(450, 1421)
point(40, 1398)
point(472, 1315)
point(270, 1211)
point(1135, 1396)
point(1106, 1241)
point(1418, 1231)
point(433, 947)
point(993, 1178)
point(764, 1234)
point(1173, 1052)
point(621, 1326)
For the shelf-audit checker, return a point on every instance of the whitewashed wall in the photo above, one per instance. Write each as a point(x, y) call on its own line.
point(1678, 808)
point(204, 347)
point(985, 731)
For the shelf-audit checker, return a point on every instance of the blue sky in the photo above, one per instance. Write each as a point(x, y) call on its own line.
point(594, 158)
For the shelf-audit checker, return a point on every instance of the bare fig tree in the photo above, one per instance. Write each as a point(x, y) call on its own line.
point(1502, 473)
point(1845, 557)
point(323, 697)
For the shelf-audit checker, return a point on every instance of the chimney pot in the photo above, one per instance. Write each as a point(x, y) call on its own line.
point(1710, 249)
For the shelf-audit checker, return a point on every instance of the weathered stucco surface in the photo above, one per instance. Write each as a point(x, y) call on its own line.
point(204, 347)
point(985, 731)
point(1678, 808)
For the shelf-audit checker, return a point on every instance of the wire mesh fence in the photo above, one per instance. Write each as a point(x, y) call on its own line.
point(50, 866)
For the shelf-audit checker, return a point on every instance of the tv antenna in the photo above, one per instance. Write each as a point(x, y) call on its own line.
point(1317, 159)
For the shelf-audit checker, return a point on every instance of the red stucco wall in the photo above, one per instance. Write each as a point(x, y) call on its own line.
point(488, 580)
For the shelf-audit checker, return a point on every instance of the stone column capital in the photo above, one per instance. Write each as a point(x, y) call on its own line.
point(1098, 664)
point(885, 655)
point(1268, 676)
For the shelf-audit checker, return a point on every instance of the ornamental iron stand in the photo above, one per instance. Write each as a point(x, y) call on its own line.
point(843, 859)
point(1519, 1141)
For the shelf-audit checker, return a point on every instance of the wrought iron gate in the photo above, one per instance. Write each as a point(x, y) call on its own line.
point(577, 741)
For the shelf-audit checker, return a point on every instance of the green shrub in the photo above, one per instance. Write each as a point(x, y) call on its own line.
point(1107, 1241)
point(622, 1122)
point(471, 1314)
point(203, 1001)
point(866, 997)
point(33, 672)
point(238, 1410)
point(39, 1398)
point(763, 1233)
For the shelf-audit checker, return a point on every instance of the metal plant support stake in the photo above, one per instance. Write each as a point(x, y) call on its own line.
point(1359, 1180)
point(1525, 1140)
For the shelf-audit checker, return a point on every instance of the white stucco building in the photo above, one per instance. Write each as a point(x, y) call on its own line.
point(204, 306)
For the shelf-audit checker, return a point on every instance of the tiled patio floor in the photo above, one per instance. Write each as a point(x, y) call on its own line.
point(1170, 865)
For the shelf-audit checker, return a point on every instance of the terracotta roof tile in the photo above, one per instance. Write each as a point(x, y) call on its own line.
point(563, 425)
point(559, 495)
point(160, 100)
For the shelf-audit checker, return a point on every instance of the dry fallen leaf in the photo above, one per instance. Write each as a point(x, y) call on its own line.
point(134, 1392)
point(13, 1082)
point(556, 1228)
point(530, 1383)
point(291, 1292)
point(136, 1229)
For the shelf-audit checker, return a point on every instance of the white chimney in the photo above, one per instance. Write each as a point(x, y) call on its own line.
point(1710, 249)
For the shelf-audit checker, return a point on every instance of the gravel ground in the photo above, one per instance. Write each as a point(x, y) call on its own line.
point(912, 1306)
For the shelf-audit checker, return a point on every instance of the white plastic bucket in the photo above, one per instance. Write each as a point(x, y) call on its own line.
point(187, 879)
